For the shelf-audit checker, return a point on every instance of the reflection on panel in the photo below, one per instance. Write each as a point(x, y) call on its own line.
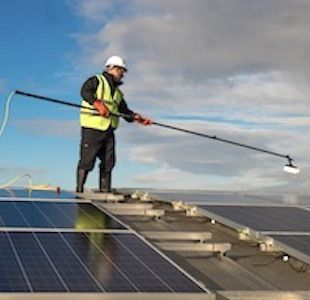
point(54, 215)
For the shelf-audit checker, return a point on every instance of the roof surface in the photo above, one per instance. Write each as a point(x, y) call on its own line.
point(167, 244)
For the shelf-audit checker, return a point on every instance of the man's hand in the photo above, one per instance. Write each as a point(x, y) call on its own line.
point(102, 109)
point(141, 120)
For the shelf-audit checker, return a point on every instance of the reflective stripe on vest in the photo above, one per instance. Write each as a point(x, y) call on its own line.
point(112, 102)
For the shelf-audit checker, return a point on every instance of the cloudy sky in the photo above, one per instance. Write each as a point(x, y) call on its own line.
point(236, 69)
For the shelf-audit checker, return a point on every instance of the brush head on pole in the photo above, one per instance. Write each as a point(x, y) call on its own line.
point(290, 168)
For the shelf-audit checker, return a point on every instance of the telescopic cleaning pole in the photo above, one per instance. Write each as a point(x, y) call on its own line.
point(289, 167)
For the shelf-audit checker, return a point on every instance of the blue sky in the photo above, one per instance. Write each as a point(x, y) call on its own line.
point(235, 69)
point(37, 42)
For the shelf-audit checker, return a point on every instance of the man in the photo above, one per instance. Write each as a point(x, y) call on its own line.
point(102, 93)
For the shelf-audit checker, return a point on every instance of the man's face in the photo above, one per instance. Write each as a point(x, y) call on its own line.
point(118, 73)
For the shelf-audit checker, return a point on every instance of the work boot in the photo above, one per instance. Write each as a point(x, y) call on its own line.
point(105, 182)
point(80, 180)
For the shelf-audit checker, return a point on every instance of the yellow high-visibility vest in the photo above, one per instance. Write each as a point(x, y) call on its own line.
point(103, 92)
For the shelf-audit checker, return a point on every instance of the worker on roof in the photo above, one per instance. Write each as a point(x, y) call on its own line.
point(101, 92)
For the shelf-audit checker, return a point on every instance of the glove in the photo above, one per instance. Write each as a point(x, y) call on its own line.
point(102, 109)
point(141, 120)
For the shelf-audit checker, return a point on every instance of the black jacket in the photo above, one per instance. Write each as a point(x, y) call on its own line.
point(89, 89)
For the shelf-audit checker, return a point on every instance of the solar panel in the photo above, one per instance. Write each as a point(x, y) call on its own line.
point(12, 277)
point(111, 258)
point(85, 262)
point(264, 218)
point(297, 242)
point(205, 197)
point(54, 215)
point(24, 193)
point(290, 199)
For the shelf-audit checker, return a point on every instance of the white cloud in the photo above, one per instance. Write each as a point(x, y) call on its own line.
point(216, 164)
point(233, 68)
point(167, 177)
point(91, 9)
point(209, 37)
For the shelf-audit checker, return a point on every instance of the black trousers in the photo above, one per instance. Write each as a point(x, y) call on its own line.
point(97, 143)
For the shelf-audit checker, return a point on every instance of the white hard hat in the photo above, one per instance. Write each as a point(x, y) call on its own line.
point(116, 61)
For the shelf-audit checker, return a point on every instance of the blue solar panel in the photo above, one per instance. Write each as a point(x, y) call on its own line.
point(32, 260)
point(85, 262)
point(54, 215)
point(298, 242)
point(36, 194)
point(11, 275)
point(263, 218)
point(204, 197)
point(39, 272)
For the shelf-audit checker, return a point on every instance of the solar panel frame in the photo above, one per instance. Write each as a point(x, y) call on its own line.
point(296, 245)
point(281, 237)
point(36, 194)
point(199, 198)
point(42, 214)
point(262, 218)
point(31, 280)
point(141, 237)
point(60, 262)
